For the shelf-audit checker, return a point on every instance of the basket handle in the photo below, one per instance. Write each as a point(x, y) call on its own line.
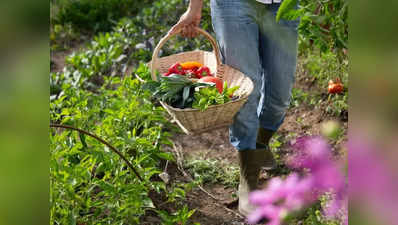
point(170, 35)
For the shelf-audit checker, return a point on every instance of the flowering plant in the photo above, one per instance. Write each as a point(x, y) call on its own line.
point(316, 174)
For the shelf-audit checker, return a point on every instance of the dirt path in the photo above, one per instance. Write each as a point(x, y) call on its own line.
point(57, 58)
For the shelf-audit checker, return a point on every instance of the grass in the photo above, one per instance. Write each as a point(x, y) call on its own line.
point(313, 215)
point(211, 171)
point(318, 69)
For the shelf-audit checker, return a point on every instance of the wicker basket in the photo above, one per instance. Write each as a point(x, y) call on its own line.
point(193, 121)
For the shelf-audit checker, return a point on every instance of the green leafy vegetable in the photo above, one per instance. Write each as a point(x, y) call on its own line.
point(227, 92)
point(206, 97)
point(175, 90)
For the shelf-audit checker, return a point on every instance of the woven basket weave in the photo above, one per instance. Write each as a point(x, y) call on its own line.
point(193, 121)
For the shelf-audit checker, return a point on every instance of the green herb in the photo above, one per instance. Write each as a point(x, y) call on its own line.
point(227, 92)
point(206, 97)
point(175, 90)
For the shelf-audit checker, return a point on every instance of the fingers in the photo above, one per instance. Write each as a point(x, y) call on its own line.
point(189, 31)
point(184, 31)
point(175, 28)
point(186, 25)
point(194, 33)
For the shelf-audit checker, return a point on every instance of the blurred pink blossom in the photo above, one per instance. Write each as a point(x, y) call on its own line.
point(312, 156)
point(373, 184)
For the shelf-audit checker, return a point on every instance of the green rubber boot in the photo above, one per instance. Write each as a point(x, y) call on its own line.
point(250, 162)
point(263, 138)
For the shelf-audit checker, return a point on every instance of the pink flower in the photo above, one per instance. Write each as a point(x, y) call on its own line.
point(271, 212)
point(373, 184)
point(310, 153)
point(296, 192)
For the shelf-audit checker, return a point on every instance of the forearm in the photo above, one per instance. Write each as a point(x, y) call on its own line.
point(195, 5)
point(189, 20)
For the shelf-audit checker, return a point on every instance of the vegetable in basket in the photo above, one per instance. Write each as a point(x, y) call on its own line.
point(180, 92)
point(191, 69)
point(191, 65)
point(203, 72)
point(177, 69)
point(208, 96)
point(175, 90)
point(217, 81)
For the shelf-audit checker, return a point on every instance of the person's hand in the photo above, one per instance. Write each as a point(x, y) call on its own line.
point(189, 20)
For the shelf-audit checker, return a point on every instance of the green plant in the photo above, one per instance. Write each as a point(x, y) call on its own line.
point(181, 216)
point(321, 68)
point(323, 23)
point(324, 67)
point(206, 97)
point(213, 171)
point(313, 215)
point(89, 183)
point(337, 105)
point(211, 96)
point(96, 15)
point(63, 36)
point(298, 97)
point(130, 43)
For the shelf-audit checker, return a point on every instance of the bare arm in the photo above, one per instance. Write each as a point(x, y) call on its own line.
point(190, 19)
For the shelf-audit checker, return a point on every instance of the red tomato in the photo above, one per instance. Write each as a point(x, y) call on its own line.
point(215, 80)
point(335, 87)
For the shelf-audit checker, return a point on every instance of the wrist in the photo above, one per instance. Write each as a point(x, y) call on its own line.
point(195, 7)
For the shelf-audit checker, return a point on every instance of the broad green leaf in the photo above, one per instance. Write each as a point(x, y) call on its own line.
point(83, 140)
point(284, 8)
point(166, 156)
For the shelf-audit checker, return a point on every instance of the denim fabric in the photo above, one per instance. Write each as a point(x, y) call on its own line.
point(252, 42)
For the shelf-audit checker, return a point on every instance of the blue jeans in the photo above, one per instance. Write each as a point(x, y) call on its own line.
point(251, 41)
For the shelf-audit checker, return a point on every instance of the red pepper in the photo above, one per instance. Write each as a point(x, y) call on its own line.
point(177, 69)
point(190, 73)
point(167, 74)
point(203, 72)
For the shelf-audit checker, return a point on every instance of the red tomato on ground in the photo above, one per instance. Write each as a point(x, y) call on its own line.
point(335, 87)
point(215, 80)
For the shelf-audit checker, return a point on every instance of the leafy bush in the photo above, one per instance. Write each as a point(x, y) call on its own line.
point(96, 15)
point(89, 182)
point(323, 23)
point(322, 67)
point(325, 66)
point(131, 42)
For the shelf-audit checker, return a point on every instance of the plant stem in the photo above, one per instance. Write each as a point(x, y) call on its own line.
point(103, 142)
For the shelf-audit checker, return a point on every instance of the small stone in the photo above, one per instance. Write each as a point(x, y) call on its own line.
point(165, 177)
point(140, 46)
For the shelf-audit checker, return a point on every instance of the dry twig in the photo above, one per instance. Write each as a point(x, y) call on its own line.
point(180, 159)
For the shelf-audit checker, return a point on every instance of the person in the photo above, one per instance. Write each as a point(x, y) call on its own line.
point(266, 51)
